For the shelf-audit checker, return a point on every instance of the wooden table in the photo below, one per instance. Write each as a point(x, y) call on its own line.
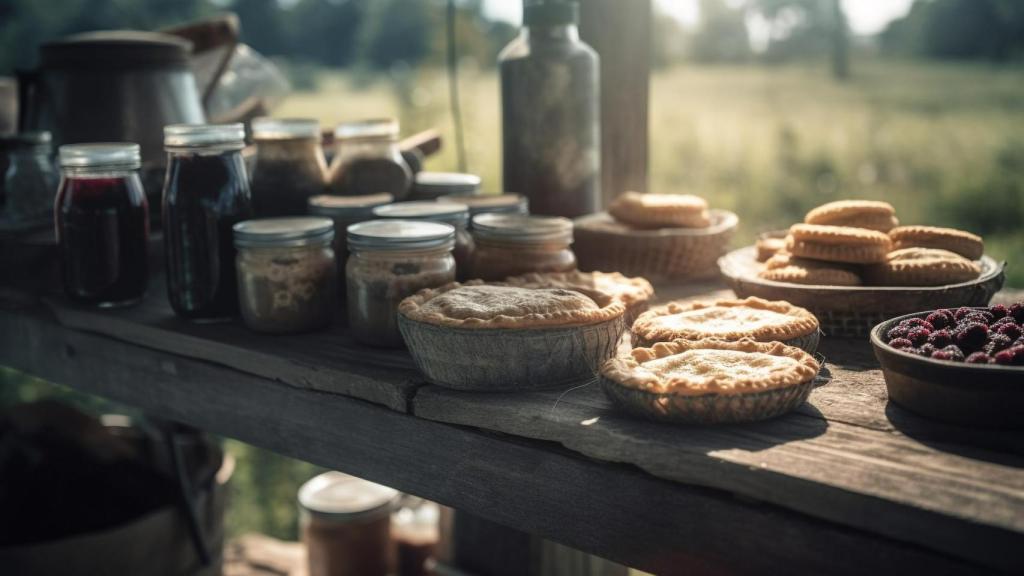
point(848, 484)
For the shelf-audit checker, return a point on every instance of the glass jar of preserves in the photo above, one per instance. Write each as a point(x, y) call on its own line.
point(287, 276)
point(450, 213)
point(345, 211)
point(289, 166)
point(368, 160)
point(27, 180)
point(390, 260)
point(102, 221)
point(432, 185)
point(491, 203)
point(206, 193)
point(513, 244)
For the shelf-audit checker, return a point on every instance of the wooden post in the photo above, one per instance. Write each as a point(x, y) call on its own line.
point(620, 31)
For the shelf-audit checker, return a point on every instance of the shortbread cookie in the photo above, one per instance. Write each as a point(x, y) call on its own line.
point(837, 243)
point(968, 245)
point(660, 210)
point(785, 267)
point(922, 267)
point(870, 214)
point(768, 246)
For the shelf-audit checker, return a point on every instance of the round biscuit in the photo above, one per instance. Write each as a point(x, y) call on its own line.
point(839, 212)
point(970, 246)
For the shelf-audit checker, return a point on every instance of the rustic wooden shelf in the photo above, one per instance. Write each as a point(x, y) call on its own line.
point(848, 484)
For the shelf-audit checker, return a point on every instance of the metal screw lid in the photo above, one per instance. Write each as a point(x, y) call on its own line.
point(283, 232)
point(99, 154)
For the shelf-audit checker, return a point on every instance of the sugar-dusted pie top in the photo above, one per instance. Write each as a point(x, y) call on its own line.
point(629, 290)
point(727, 319)
point(712, 366)
point(478, 305)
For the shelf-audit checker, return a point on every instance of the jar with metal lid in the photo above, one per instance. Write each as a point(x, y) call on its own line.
point(102, 223)
point(450, 213)
point(512, 244)
point(289, 166)
point(287, 276)
point(206, 193)
point(491, 203)
point(390, 260)
point(346, 525)
point(368, 160)
point(431, 185)
point(345, 211)
point(27, 180)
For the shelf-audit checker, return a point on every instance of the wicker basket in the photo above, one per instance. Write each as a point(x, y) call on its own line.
point(851, 311)
point(601, 243)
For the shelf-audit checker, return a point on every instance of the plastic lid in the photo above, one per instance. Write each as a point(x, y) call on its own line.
point(485, 203)
point(283, 232)
point(550, 12)
point(434, 184)
point(120, 154)
point(347, 207)
point(521, 228)
point(115, 49)
point(26, 140)
point(229, 136)
point(400, 235)
point(285, 128)
point(342, 497)
point(374, 128)
point(456, 214)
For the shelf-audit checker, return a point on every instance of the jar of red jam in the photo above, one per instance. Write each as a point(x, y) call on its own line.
point(102, 222)
point(206, 192)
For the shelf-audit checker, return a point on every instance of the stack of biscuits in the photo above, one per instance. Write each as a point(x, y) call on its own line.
point(860, 242)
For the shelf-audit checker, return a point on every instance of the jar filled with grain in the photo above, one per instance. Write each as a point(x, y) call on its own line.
point(450, 213)
point(390, 260)
point(346, 211)
point(287, 275)
point(512, 244)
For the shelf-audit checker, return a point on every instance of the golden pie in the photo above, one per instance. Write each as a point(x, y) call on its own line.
point(968, 245)
point(633, 292)
point(922, 267)
point(869, 214)
point(753, 318)
point(837, 243)
point(660, 210)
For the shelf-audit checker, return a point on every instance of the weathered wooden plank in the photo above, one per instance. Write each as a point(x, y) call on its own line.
point(614, 511)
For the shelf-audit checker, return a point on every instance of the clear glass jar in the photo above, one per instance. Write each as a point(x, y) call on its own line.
point(491, 203)
point(206, 193)
point(289, 167)
point(390, 260)
point(513, 244)
point(102, 223)
point(450, 213)
point(287, 276)
point(368, 160)
point(27, 180)
point(432, 185)
point(345, 211)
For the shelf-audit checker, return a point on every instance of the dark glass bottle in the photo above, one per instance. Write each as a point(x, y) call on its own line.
point(550, 101)
point(102, 224)
point(206, 192)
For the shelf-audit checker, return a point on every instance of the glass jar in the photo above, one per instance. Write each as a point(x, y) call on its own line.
point(206, 193)
point(289, 166)
point(346, 211)
point(513, 244)
point(432, 185)
point(369, 161)
point(491, 203)
point(390, 260)
point(450, 213)
point(287, 276)
point(102, 222)
point(27, 180)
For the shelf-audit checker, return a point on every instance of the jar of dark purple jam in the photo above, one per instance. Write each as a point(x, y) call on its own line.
point(102, 223)
point(206, 192)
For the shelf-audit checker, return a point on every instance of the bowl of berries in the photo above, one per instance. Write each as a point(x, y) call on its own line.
point(963, 365)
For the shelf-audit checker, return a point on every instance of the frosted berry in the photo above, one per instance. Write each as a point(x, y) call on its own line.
point(940, 338)
point(979, 358)
point(1005, 357)
point(961, 312)
point(916, 323)
point(1004, 320)
point(919, 335)
point(1017, 311)
point(897, 333)
point(940, 319)
point(998, 311)
point(901, 343)
point(978, 316)
point(925, 350)
point(1018, 355)
point(1011, 331)
point(997, 342)
point(971, 336)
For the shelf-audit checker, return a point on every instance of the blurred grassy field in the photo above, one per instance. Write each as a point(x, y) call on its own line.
point(944, 143)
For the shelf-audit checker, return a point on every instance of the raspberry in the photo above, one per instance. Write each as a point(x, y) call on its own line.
point(919, 335)
point(940, 319)
point(901, 343)
point(979, 358)
point(1018, 355)
point(1005, 357)
point(961, 312)
point(1004, 320)
point(916, 323)
point(998, 311)
point(972, 336)
point(925, 350)
point(1017, 311)
point(897, 333)
point(1011, 331)
point(955, 352)
point(979, 316)
point(940, 338)
point(941, 355)
point(997, 342)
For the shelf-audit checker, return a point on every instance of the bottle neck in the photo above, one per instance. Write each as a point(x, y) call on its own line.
point(549, 33)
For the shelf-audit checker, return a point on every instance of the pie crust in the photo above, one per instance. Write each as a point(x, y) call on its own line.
point(753, 318)
point(712, 366)
point(630, 291)
point(660, 210)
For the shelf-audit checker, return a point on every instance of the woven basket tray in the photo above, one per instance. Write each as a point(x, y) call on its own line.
point(662, 254)
point(851, 311)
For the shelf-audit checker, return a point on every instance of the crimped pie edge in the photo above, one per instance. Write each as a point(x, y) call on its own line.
point(802, 321)
point(640, 289)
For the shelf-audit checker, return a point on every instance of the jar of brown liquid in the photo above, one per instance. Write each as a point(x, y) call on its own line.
point(512, 244)
point(346, 525)
point(368, 160)
point(450, 213)
point(289, 166)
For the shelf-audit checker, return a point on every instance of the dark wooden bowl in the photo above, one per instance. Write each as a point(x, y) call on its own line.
point(983, 395)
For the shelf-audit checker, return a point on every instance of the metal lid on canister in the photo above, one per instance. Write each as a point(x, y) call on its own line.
point(342, 498)
point(265, 128)
point(350, 208)
point(400, 235)
point(518, 228)
point(101, 154)
point(374, 129)
point(449, 213)
point(431, 185)
point(284, 232)
point(223, 136)
point(488, 203)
